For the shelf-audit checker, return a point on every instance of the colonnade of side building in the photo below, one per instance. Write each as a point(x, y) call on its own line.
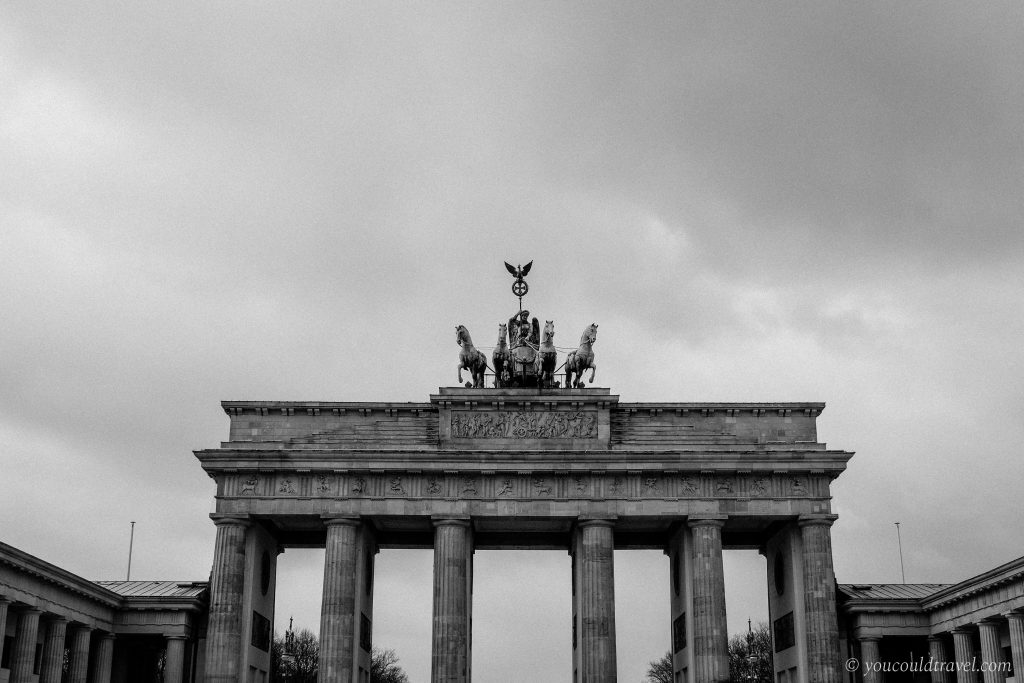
point(966, 642)
point(697, 594)
point(58, 634)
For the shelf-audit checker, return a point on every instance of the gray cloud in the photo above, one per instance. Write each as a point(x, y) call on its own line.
point(756, 202)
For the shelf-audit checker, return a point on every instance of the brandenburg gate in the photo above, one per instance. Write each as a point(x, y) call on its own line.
point(524, 464)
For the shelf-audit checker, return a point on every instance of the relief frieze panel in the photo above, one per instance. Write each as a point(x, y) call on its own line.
point(527, 485)
point(495, 424)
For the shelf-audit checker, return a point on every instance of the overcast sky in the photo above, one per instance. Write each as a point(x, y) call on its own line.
point(755, 201)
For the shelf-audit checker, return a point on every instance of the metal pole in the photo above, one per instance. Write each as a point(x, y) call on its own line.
point(131, 542)
point(900, 542)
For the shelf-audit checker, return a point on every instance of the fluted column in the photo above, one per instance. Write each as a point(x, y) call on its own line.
point(52, 666)
point(939, 656)
point(991, 652)
point(24, 653)
point(174, 660)
point(453, 557)
point(103, 663)
point(596, 601)
point(224, 632)
point(820, 599)
point(710, 630)
point(1016, 623)
point(963, 650)
point(869, 658)
point(337, 611)
point(78, 665)
point(4, 604)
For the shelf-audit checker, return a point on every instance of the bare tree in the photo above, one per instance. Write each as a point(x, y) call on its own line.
point(750, 656)
point(384, 667)
point(660, 670)
point(297, 659)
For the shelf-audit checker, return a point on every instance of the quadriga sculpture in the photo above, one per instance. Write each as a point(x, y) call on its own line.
point(582, 358)
point(547, 356)
point(469, 358)
point(500, 356)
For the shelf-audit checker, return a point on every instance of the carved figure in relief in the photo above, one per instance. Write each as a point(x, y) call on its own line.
point(724, 486)
point(506, 487)
point(396, 486)
point(469, 358)
point(521, 425)
point(798, 486)
point(286, 486)
point(651, 485)
point(582, 358)
point(540, 487)
point(616, 485)
point(547, 356)
point(468, 485)
point(759, 487)
point(249, 486)
point(359, 486)
point(433, 486)
point(500, 356)
point(581, 485)
point(689, 486)
point(323, 484)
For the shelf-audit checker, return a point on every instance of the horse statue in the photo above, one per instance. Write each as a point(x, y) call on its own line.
point(582, 358)
point(547, 356)
point(469, 358)
point(501, 356)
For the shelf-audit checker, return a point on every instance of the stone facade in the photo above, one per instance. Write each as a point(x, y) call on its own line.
point(114, 631)
point(499, 468)
point(969, 632)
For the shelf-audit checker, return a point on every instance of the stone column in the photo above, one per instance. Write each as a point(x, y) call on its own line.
point(174, 662)
point(710, 631)
point(991, 652)
point(24, 653)
point(820, 599)
point(869, 659)
point(939, 656)
point(1016, 622)
point(52, 666)
point(78, 666)
point(224, 631)
point(596, 601)
point(4, 604)
point(963, 650)
point(103, 663)
point(453, 559)
point(337, 611)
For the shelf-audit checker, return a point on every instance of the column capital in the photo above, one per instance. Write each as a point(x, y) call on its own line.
point(868, 639)
point(347, 520)
point(695, 521)
point(934, 637)
point(990, 622)
point(817, 520)
point(1014, 616)
point(583, 522)
point(450, 520)
point(54, 619)
point(222, 519)
point(962, 631)
point(80, 627)
point(175, 636)
point(107, 635)
point(30, 610)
